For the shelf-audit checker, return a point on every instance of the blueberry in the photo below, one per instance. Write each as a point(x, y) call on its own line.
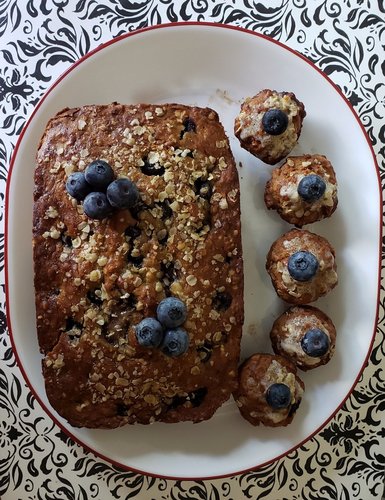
point(169, 274)
point(166, 209)
point(136, 261)
point(203, 188)
point(302, 265)
point(278, 396)
point(96, 205)
point(132, 232)
point(222, 301)
point(189, 126)
point(99, 174)
point(152, 168)
point(77, 186)
point(315, 343)
point(121, 410)
point(171, 312)
point(94, 298)
point(311, 187)
point(195, 398)
point(275, 122)
point(205, 351)
point(149, 332)
point(122, 193)
point(175, 342)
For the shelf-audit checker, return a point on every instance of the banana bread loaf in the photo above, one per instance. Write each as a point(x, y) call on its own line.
point(98, 278)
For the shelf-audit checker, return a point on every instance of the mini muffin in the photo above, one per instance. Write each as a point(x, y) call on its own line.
point(304, 334)
point(303, 190)
point(269, 124)
point(302, 266)
point(269, 390)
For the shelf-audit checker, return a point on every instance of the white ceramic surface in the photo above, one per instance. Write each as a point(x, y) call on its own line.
point(218, 67)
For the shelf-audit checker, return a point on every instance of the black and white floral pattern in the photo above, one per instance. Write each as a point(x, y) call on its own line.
point(39, 40)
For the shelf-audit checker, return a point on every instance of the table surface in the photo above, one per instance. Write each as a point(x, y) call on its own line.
point(39, 39)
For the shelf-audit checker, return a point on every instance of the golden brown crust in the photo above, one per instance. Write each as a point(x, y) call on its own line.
point(256, 374)
point(281, 190)
point(289, 289)
point(289, 329)
point(248, 125)
point(95, 280)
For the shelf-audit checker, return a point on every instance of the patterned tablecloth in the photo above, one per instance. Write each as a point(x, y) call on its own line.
point(39, 39)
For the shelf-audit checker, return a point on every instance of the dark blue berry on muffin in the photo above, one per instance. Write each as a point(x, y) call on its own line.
point(302, 265)
point(311, 188)
point(278, 396)
point(315, 343)
point(275, 122)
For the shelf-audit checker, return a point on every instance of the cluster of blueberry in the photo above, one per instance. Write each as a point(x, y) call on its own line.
point(302, 265)
point(164, 331)
point(100, 192)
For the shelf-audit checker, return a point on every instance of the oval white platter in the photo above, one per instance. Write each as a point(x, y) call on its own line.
point(218, 66)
